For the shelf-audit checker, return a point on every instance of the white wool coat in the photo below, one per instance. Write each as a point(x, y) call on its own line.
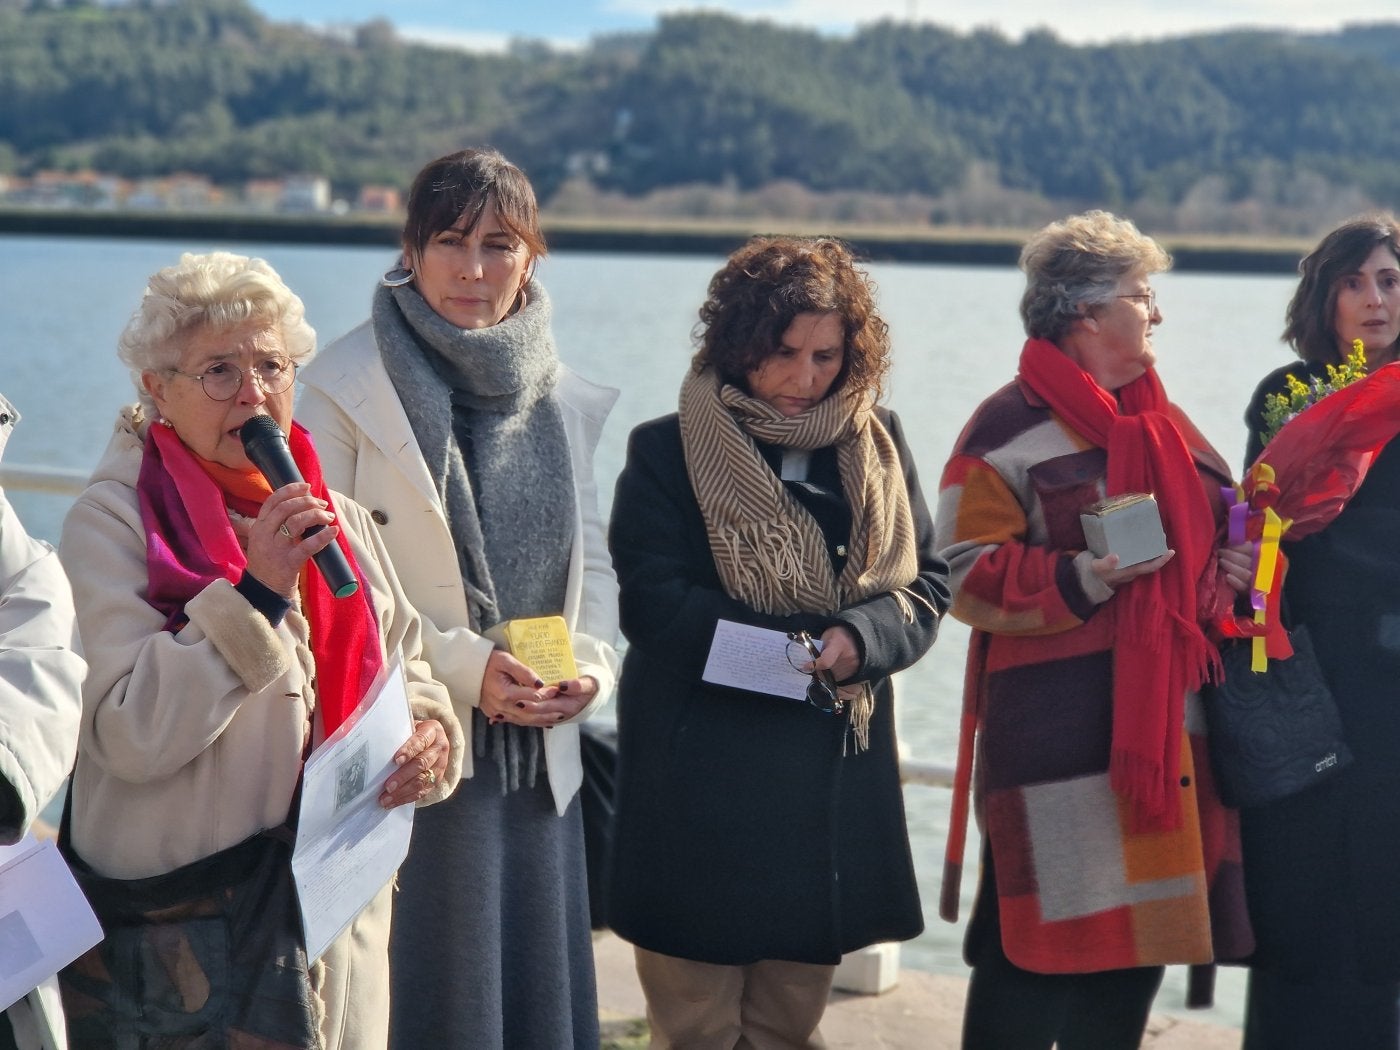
point(367, 449)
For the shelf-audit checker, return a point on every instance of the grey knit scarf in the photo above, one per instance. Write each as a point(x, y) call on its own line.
point(482, 406)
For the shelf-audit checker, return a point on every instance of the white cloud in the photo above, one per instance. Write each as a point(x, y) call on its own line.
point(495, 43)
point(437, 36)
point(1083, 22)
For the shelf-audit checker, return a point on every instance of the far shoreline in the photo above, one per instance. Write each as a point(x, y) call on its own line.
point(951, 246)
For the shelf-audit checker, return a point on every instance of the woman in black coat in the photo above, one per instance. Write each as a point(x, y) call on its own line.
point(1322, 867)
point(758, 838)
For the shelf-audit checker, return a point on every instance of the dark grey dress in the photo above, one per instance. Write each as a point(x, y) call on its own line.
point(506, 868)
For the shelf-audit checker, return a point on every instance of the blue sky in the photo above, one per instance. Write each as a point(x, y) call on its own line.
point(489, 25)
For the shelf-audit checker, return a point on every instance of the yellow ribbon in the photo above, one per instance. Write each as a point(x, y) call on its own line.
point(1274, 528)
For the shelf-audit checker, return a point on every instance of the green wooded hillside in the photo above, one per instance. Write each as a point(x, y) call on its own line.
point(212, 87)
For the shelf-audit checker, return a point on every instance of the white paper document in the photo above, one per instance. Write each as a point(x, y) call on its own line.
point(348, 846)
point(45, 921)
point(753, 658)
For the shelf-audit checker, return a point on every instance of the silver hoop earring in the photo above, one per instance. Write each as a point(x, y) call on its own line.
point(397, 277)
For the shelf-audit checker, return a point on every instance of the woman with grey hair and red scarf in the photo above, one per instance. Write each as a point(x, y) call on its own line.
point(1107, 851)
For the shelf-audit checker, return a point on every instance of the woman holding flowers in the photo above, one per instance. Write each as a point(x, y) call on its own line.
point(1323, 866)
point(1107, 851)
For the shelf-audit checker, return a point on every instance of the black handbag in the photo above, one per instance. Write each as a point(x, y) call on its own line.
point(1273, 733)
point(208, 955)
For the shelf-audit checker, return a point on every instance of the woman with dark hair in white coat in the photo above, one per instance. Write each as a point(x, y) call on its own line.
point(450, 416)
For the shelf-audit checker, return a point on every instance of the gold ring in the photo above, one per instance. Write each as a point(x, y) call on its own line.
point(285, 531)
point(430, 776)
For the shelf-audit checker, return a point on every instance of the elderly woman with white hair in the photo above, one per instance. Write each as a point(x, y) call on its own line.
point(1107, 851)
point(218, 659)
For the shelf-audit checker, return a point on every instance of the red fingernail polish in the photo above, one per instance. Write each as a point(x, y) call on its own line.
point(563, 687)
point(520, 703)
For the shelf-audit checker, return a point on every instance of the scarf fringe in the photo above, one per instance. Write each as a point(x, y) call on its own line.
point(514, 750)
point(905, 598)
point(1167, 629)
point(1180, 636)
point(1141, 783)
point(860, 698)
point(764, 558)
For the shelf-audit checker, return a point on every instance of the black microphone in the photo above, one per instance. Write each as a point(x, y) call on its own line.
point(266, 446)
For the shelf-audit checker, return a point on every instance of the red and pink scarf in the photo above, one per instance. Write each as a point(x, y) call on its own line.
point(190, 542)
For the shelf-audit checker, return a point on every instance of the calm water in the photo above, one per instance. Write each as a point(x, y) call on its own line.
point(626, 321)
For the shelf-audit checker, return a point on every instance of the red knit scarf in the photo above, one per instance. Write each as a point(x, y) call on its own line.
point(190, 543)
point(1159, 649)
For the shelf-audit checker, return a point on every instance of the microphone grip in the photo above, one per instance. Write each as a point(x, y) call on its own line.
point(266, 446)
point(335, 569)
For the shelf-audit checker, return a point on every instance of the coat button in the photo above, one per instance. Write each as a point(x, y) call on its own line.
point(379, 517)
point(840, 550)
point(1186, 782)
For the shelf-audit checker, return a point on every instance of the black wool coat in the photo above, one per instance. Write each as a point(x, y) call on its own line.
point(742, 831)
point(1322, 868)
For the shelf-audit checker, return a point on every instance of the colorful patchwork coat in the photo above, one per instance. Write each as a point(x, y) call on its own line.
point(1079, 890)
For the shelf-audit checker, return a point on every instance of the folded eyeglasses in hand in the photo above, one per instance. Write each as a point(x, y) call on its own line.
point(802, 652)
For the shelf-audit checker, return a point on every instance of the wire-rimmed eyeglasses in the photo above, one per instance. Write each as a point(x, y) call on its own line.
point(1148, 297)
point(223, 379)
point(821, 693)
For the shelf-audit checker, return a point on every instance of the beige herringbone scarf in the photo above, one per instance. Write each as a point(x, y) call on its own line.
point(769, 551)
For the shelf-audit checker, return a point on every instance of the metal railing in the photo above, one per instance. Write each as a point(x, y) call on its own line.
point(57, 481)
point(925, 774)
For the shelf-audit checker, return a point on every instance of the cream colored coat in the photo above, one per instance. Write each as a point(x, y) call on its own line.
point(192, 741)
point(368, 450)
